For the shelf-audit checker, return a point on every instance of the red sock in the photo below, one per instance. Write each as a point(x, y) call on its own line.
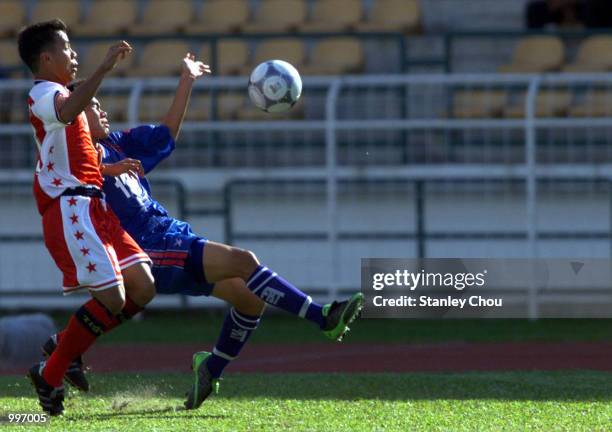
point(89, 322)
point(129, 310)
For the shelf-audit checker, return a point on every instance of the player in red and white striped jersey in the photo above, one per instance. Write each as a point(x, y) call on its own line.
point(83, 236)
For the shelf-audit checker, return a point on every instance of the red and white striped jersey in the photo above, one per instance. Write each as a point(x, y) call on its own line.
point(67, 157)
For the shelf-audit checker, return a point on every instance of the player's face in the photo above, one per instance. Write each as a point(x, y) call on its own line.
point(60, 60)
point(97, 118)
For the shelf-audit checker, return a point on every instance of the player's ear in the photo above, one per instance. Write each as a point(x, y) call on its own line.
point(44, 57)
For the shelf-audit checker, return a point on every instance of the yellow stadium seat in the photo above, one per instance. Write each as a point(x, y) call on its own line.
point(160, 58)
point(123, 13)
point(549, 103)
point(93, 55)
point(232, 55)
point(115, 105)
point(153, 107)
point(333, 16)
point(199, 107)
point(12, 15)
point(229, 104)
point(478, 103)
point(594, 55)
point(536, 54)
point(277, 16)
point(333, 56)
point(67, 10)
point(220, 16)
point(291, 50)
point(392, 15)
point(9, 57)
point(250, 112)
point(596, 103)
point(164, 16)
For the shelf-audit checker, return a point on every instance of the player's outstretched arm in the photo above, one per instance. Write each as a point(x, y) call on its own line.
point(128, 165)
point(191, 71)
point(70, 107)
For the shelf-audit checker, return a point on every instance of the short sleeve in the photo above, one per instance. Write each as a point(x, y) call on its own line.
point(44, 103)
point(150, 144)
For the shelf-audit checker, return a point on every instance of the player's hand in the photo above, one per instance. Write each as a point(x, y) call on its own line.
point(116, 53)
point(192, 68)
point(128, 165)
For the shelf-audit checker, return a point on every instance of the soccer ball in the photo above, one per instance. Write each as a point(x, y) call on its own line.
point(275, 86)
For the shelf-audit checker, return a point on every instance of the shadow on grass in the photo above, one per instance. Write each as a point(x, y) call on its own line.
point(538, 386)
point(162, 413)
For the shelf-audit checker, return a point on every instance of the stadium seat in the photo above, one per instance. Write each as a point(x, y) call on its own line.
point(220, 16)
point(93, 55)
point(232, 55)
point(199, 107)
point(153, 107)
point(596, 103)
point(164, 16)
point(277, 16)
point(68, 10)
point(115, 105)
point(12, 15)
point(335, 56)
point(549, 103)
point(9, 58)
point(392, 15)
point(594, 55)
point(249, 112)
point(291, 50)
point(536, 54)
point(96, 21)
point(478, 103)
point(160, 58)
point(333, 16)
point(229, 104)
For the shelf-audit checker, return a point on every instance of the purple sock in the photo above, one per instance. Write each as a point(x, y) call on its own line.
point(235, 333)
point(276, 291)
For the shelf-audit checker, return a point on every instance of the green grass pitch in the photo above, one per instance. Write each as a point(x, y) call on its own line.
point(504, 401)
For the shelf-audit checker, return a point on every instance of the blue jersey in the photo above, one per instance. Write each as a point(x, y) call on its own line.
point(146, 220)
point(176, 252)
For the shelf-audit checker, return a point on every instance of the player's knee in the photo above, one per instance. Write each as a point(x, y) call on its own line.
point(115, 303)
point(245, 260)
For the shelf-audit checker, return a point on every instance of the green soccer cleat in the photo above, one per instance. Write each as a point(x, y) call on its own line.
point(338, 316)
point(204, 383)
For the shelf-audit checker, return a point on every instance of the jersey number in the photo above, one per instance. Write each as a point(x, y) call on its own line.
point(128, 185)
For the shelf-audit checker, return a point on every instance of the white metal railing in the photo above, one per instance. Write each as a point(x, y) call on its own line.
point(331, 124)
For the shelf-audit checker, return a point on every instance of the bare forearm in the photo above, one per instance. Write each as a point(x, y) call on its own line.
point(176, 112)
point(81, 97)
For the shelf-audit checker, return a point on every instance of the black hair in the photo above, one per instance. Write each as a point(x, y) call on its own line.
point(35, 38)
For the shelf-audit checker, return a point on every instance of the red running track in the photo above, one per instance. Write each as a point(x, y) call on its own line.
point(358, 357)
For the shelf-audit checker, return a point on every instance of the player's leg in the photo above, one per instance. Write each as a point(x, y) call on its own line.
point(222, 262)
point(76, 231)
point(239, 323)
point(122, 304)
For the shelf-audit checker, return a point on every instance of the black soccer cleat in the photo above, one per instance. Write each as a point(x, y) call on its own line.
point(338, 316)
point(204, 384)
point(75, 375)
point(51, 398)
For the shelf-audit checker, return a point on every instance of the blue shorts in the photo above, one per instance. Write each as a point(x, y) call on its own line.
point(177, 265)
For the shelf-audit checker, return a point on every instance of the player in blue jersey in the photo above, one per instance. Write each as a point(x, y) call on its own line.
point(185, 263)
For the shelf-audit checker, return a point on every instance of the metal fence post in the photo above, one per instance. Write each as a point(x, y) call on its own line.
point(133, 103)
point(332, 183)
point(531, 191)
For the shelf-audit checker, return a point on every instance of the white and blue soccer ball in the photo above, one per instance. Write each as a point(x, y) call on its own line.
point(275, 86)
